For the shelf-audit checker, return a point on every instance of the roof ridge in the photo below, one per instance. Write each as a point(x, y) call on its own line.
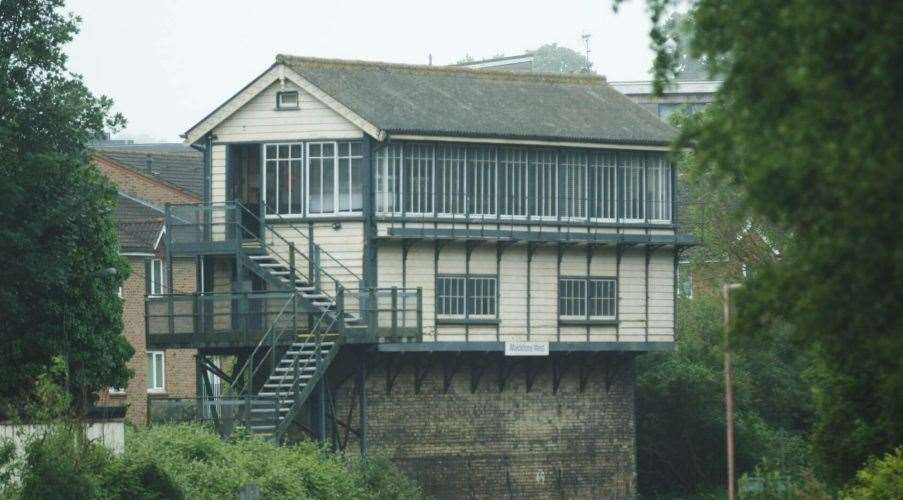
point(148, 152)
point(489, 74)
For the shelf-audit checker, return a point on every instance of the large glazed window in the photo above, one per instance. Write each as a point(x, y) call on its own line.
point(282, 178)
point(388, 179)
point(155, 377)
point(466, 297)
point(577, 185)
point(334, 182)
point(587, 298)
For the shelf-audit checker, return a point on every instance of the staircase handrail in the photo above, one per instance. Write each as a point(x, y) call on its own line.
point(238, 378)
point(320, 249)
point(289, 223)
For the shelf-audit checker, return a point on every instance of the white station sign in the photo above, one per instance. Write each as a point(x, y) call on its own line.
point(526, 348)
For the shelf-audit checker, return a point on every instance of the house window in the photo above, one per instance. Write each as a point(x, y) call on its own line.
point(587, 299)
point(513, 182)
point(633, 185)
point(116, 391)
point(684, 280)
point(388, 179)
point(451, 180)
point(481, 188)
point(466, 297)
point(658, 189)
point(572, 195)
point(282, 178)
point(418, 179)
point(156, 377)
point(482, 181)
point(287, 100)
point(334, 177)
point(603, 189)
point(119, 292)
point(157, 277)
point(542, 184)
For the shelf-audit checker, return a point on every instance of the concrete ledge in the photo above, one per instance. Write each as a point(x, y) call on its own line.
point(441, 346)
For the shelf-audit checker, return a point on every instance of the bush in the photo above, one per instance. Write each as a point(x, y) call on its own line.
point(879, 479)
point(58, 463)
point(205, 466)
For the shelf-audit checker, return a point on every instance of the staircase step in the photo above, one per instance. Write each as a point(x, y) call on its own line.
point(281, 393)
point(261, 257)
point(292, 368)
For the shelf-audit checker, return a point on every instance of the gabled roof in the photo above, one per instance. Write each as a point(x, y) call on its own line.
point(138, 224)
point(178, 166)
point(445, 101)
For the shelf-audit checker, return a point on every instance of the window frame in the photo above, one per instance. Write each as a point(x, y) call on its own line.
point(336, 188)
point(282, 107)
point(587, 317)
point(161, 282)
point(467, 316)
point(150, 373)
point(265, 180)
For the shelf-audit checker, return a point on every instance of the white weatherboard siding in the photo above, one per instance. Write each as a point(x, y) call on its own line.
point(544, 295)
point(344, 244)
point(512, 291)
point(218, 173)
point(513, 294)
point(259, 120)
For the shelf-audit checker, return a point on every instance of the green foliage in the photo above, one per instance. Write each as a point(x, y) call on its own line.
point(880, 479)
point(680, 407)
point(806, 128)
point(205, 466)
point(56, 229)
point(551, 58)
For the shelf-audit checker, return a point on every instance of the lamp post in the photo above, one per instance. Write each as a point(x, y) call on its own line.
point(101, 273)
point(728, 389)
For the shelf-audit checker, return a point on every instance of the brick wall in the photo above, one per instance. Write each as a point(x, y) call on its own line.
point(502, 444)
point(140, 186)
point(179, 363)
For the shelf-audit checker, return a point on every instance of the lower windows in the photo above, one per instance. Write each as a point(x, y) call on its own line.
point(156, 369)
point(587, 299)
point(466, 297)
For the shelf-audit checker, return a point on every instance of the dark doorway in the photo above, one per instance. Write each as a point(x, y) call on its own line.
point(243, 179)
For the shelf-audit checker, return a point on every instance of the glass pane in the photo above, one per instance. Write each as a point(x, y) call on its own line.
point(158, 371)
point(283, 151)
point(296, 151)
point(296, 186)
point(329, 149)
point(315, 150)
point(271, 183)
point(271, 151)
point(315, 186)
point(355, 149)
point(149, 375)
point(357, 188)
point(344, 149)
point(344, 184)
point(328, 184)
point(284, 186)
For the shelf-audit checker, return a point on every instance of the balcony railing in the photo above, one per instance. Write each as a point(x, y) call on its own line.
point(242, 319)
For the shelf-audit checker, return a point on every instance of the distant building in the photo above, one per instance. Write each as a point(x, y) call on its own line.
point(522, 62)
point(147, 177)
point(691, 94)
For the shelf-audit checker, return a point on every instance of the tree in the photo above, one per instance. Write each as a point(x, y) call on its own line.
point(56, 228)
point(551, 58)
point(806, 127)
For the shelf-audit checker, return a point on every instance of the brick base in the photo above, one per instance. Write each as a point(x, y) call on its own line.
point(474, 430)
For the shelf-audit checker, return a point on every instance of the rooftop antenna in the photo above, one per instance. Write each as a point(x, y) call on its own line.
point(586, 37)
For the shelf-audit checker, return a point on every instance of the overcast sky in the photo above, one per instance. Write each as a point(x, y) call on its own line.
point(168, 63)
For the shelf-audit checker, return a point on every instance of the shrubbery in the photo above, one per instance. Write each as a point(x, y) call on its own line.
point(880, 479)
point(189, 461)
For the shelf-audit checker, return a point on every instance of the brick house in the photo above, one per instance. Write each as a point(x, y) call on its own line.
point(148, 177)
point(455, 267)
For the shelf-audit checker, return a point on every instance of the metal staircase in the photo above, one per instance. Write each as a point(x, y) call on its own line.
point(313, 322)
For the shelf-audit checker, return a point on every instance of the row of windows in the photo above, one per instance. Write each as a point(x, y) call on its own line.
point(476, 297)
point(452, 180)
point(329, 172)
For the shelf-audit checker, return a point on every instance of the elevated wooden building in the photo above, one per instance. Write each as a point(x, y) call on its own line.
point(379, 245)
